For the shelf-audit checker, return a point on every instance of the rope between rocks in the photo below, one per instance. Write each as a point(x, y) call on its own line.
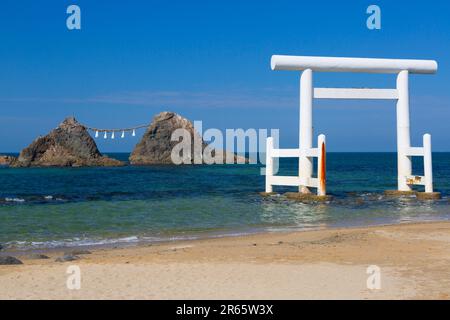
point(117, 129)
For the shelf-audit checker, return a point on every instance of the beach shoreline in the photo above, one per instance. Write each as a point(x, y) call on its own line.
point(412, 258)
point(9, 248)
point(109, 244)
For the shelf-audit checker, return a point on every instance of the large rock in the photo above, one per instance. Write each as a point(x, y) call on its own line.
point(69, 145)
point(156, 144)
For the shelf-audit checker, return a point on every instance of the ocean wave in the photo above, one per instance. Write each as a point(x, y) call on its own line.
point(99, 242)
point(33, 199)
point(74, 242)
point(19, 200)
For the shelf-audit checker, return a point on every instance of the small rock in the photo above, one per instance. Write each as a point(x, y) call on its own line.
point(67, 257)
point(1, 247)
point(38, 256)
point(8, 260)
point(76, 252)
point(6, 160)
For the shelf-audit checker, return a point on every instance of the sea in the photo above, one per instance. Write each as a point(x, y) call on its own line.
point(46, 208)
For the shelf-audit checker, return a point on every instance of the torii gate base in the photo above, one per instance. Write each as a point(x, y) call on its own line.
point(308, 93)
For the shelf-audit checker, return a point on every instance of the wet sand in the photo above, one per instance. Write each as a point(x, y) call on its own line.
point(414, 262)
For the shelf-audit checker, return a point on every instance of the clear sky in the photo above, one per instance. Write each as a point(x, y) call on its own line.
point(210, 61)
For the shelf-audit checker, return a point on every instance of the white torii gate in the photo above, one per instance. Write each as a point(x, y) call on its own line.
point(306, 152)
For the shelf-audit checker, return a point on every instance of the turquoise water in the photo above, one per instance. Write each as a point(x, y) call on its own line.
point(54, 207)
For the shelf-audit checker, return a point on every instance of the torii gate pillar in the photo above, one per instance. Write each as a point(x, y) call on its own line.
point(403, 131)
point(306, 128)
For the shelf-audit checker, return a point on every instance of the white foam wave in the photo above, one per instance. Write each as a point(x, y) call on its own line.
point(14, 200)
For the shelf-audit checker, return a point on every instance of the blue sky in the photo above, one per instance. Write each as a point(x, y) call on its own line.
point(210, 61)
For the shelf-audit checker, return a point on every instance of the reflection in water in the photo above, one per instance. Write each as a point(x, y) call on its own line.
point(281, 212)
point(351, 209)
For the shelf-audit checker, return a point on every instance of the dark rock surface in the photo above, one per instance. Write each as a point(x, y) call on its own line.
point(77, 252)
point(156, 145)
point(38, 256)
point(69, 145)
point(8, 260)
point(67, 257)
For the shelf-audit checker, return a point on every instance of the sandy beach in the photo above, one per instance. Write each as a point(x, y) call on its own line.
point(413, 259)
